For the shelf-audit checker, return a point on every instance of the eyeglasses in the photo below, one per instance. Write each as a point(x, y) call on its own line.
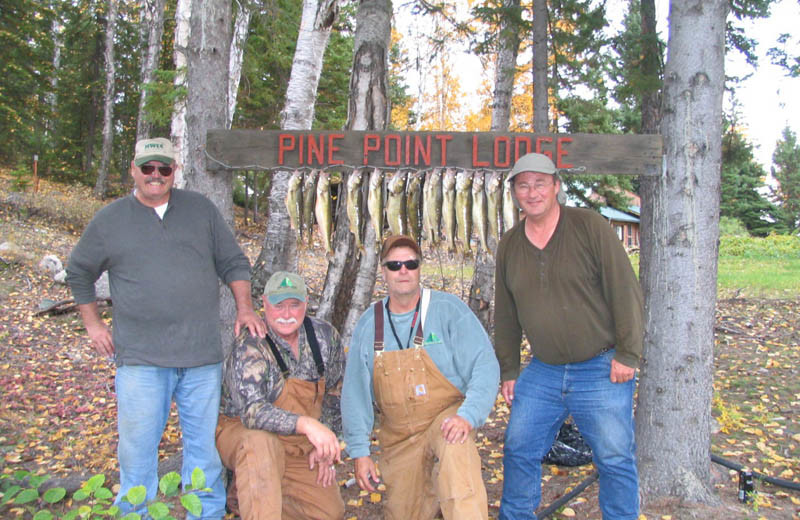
point(149, 169)
point(395, 265)
point(539, 186)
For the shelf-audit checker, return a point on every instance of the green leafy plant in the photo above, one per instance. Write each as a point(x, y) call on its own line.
point(20, 178)
point(19, 493)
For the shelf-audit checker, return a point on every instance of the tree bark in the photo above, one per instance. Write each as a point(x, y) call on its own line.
point(240, 26)
point(279, 251)
point(540, 103)
point(651, 65)
point(152, 29)
point(348, 284)
point(680, 219)
point(108, 102)
point(481, 294)
point(207, 108)
point(183, 13)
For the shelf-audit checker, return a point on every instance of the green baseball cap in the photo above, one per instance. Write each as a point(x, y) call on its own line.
point(158, 149)
point(284, 285)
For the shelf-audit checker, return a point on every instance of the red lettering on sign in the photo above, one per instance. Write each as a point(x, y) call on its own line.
point(388, 140)
point(408, 149)
point(289, 140)
point(561, 152)
point(422, 151)
point(333, 148)
point(528, 147)
point(443, 144)
point(475, 161)
point(372, 143)
point(315, 150)
point(507, 142)
point(539, 141)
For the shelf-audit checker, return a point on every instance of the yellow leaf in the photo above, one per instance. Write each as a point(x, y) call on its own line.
point(568, 511)
point(375, 498)
point(795, 500)
point(787, 474)
point(354, 503)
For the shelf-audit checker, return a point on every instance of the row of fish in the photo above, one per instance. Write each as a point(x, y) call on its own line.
point(442, 206)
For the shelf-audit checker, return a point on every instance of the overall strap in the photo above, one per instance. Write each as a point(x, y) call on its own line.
point(278, 358)
point(311, 337)
point(378, 309)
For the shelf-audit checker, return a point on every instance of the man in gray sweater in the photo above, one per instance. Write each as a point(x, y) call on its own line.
point(165, 250)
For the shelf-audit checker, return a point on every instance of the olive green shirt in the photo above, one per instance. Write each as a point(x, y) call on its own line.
point(574, 298)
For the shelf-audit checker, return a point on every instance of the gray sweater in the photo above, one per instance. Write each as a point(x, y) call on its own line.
point(163, 276)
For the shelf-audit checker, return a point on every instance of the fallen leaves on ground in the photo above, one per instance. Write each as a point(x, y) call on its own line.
point(59, 413)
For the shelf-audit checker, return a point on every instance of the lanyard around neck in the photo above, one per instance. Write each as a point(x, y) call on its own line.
point(413, 322)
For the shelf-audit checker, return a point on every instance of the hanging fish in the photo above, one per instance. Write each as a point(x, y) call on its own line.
point(414, 195)
point(464, 210)
point(309, 194)
point(354, 214)
point(449, 208)
point(395, 203)
point(432, 206)
point(510, 210)
point(494, 200)
point(375, 203)
point(323, 211)
point(479, 207)
point(294, 202)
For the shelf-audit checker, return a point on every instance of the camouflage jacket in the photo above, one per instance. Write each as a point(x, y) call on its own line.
point(253, 380)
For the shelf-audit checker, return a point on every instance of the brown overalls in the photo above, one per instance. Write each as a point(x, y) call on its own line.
point(271, 471)
point(422, 471)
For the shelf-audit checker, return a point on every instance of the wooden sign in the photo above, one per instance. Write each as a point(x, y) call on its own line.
point(596, 154)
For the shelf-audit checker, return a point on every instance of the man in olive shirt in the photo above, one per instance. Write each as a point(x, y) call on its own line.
point(564, 279)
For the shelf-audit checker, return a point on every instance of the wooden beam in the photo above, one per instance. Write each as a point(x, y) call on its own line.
point(595, 154)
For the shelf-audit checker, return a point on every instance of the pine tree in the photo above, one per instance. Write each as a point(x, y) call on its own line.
point(786, 170)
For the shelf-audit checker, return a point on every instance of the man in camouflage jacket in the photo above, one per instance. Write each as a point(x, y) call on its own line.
point(280, 407)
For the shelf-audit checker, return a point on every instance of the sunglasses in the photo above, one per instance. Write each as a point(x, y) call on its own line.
point(149, 169)
point(395, 265)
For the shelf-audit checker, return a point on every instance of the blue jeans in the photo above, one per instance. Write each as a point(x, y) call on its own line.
point(544, 395)
point(144, 397)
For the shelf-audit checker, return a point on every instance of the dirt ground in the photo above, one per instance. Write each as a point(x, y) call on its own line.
point(58, 412)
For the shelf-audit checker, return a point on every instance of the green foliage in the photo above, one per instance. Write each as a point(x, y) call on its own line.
point(20, 178)
point(731, 226)
point(772, 246)
point(742, 177)
point(786, 170)
point(162, 94)
point(93, 500)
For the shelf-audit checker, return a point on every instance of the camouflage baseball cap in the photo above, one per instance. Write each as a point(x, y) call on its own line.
point(284, 285)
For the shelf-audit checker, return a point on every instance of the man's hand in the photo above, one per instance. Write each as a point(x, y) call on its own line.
point(324, 441)
point(248, 318)
point(326, 471)
point(96, 328)
point(366, 470)
point(245, 315)
point(507, 389)
point(455, 429)
point(621, 373)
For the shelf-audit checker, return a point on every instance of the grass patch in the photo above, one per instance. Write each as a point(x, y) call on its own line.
point(758, 277)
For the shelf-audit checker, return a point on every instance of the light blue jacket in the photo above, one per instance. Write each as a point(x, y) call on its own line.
point(456, 342)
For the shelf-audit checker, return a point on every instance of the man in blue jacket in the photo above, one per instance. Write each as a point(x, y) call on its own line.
point(425, 360)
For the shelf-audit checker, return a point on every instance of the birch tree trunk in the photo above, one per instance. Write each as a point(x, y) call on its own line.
point(349, 285)
point(57, 29)
point(680, 229)
point(152, 29)
point(481, 292)
point(240, 26)
point(183, 13)
point(541, 108)
point(206, 108)
point(108, 103)
point(279, 251)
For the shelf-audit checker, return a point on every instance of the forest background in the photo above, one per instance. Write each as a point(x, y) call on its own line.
point(82, 79)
